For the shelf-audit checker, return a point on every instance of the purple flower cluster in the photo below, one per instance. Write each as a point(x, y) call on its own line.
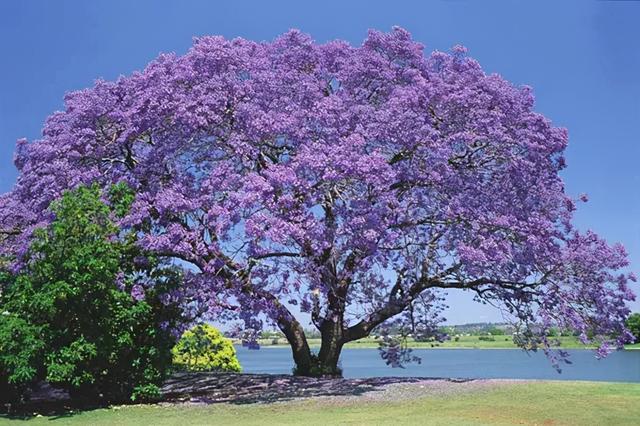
point(137, 292)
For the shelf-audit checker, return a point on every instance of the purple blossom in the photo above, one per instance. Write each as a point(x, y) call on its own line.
point(120, 281)
point(137, 292)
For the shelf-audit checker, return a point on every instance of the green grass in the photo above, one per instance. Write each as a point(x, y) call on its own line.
point(464, 342)
point(531, 403)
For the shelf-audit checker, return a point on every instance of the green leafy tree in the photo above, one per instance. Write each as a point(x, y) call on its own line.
point(86, 311)
point(633, 324)
point(495, 331)
point(204, 348)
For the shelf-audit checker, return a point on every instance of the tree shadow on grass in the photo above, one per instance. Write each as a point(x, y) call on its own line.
point(267, 388)
point(52, 410)
point(46, 400)
point(211, 388)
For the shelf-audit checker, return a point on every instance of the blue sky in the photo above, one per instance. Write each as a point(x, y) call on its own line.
point(581, 58)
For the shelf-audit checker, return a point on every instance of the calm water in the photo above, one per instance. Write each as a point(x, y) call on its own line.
point(622, 366)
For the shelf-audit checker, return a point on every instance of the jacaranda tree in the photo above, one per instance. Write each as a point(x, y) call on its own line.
point(355, 184)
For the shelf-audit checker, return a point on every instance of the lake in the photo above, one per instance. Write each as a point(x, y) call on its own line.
point(621, 366)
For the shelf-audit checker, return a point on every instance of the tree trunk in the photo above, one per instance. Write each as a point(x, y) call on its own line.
point(325, 363)
point(300, 350)
point(330, 349)
point(334, 335)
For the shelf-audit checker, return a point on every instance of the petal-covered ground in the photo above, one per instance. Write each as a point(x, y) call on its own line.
point(267, 388)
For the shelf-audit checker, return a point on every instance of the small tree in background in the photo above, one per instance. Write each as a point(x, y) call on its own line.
point(633, 324)
point(204, 348)
point(495, 331)
point(89, 311)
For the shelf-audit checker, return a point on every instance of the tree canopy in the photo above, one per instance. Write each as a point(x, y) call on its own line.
point(355, 183)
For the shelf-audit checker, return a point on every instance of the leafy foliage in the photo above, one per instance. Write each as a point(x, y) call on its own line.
point(633, 324)
point(204, 348)
point(21, 351)
point(69, 316)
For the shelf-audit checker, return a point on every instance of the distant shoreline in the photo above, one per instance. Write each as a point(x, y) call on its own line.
point(464, 342)
point(588, 348)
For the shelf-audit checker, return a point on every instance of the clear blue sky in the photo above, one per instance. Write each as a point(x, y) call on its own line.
point(582, 58)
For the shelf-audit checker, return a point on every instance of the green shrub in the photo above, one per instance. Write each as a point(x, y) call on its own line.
point(146, 393)
point(69, 316)
point(204, 348)
point(633, 324)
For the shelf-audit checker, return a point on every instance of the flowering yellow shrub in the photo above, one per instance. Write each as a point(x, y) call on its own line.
point(204, 348)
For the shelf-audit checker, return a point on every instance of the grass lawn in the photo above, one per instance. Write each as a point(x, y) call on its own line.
point(532, 403)
point(464, 342)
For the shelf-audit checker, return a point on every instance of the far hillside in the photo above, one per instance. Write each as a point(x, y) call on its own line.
point(480, 335)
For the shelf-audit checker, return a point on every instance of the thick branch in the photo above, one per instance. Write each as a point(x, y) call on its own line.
point(275, 254)
point(396, 304)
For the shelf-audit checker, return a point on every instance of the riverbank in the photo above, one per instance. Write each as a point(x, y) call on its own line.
point(462, 342)
point(238, 399)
